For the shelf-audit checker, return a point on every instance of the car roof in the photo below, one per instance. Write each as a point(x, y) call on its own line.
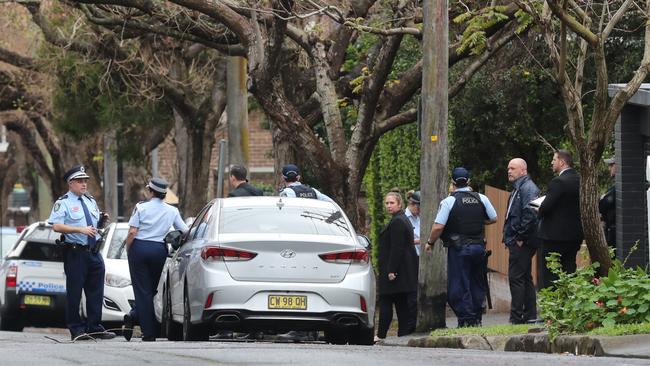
point(270, 201)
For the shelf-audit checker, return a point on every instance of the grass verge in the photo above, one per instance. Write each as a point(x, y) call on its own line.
point(494, 330)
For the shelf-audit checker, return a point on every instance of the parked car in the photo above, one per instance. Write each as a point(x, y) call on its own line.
point(268, 263)
point(32, 281)
point(118, 292)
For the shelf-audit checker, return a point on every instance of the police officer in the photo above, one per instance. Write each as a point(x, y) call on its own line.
point(147, 252)
point(76, 215)
point(460, 224)
point(293, 187)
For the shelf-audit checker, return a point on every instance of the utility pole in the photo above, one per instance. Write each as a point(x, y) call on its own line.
point(110, 178)
point(434, 162)
point(237, 111)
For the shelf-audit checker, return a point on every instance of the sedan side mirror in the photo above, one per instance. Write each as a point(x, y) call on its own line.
point(173, 238)
point(364, 241)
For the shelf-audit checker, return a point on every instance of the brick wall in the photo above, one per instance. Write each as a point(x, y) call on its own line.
point(631, 207)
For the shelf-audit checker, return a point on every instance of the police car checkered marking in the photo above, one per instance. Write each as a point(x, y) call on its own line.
point(40, 287)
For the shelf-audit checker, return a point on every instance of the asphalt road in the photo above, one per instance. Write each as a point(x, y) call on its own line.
point(35, 348)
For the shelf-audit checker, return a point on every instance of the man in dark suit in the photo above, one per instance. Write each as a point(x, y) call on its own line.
point(560, 228)
point(242, 187)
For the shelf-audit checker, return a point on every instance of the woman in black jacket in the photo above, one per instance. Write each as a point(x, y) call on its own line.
point(398, 268)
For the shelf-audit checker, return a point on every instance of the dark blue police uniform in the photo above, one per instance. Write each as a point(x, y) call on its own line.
point(147, 254)
point(83, 265)
point(463, 214)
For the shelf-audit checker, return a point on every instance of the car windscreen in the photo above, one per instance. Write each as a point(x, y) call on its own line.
point(284, 220)
point(116, 250)
point(39, 251)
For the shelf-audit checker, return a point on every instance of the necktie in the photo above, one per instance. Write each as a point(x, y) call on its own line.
point(89, 222)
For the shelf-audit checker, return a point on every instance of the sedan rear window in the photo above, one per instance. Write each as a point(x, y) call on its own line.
point(287, 220)
point(38, 251)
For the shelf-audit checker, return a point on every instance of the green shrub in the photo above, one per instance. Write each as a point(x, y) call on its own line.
point(580, 302)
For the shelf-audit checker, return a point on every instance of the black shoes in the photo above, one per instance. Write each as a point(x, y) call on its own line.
point(127, 328)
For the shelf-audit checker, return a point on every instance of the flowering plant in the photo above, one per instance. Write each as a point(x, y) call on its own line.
point(580, 301)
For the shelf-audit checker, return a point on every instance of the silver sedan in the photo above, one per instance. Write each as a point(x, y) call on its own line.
point(269, 263)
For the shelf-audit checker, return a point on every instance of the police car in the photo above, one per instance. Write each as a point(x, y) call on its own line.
point(32, 281)
point(118, 292)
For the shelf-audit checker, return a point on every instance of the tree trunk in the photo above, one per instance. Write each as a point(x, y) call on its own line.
point(591, 225)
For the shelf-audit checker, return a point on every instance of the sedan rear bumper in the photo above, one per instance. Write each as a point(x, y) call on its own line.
point(245, 320)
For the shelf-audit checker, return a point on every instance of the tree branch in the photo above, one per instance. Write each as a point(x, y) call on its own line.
point(17, 60)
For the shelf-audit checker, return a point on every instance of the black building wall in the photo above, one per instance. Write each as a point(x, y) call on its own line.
point(632, 147)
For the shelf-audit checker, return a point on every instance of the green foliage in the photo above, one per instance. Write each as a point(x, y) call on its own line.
point(622, 329)
point(394, 163)
point(580, 302)
point(500, 115)
point(89, 99)
point(473, 37)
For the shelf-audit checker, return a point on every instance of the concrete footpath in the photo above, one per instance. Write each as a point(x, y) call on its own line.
point(633, 346)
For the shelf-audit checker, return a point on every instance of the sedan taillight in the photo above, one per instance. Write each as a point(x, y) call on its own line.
point(347, 257)
point(226, 254)
point(12, 275)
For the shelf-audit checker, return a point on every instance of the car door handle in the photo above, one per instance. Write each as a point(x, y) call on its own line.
point(186, 255)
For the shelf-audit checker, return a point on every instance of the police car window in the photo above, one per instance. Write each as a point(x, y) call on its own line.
point(116, 249)
point(39, 251)
point(288, 220)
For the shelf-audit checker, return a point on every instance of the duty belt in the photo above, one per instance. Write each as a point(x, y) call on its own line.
point(75, 246)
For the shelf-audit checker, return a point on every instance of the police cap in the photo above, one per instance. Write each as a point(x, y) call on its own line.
point(77, 172)
point(158, 185)
point(290, 171)
point(415, 197)
point(460, 176)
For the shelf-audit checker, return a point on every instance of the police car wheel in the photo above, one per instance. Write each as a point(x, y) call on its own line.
point(11, 322)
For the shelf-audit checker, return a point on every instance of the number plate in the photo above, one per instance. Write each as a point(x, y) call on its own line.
point(37, 300)
point(288, 302)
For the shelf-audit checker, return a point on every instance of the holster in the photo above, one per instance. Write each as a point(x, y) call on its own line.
point(454, 240)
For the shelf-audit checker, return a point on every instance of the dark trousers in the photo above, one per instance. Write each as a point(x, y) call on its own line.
point(146, 261)
point(83, 271)
point(413, 310)
point(567, 251)
point(386, 313)
point(522, 290)
point(466, 287)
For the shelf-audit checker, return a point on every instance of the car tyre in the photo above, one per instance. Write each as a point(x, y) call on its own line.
point(11, 322)
point(336, 336)
point(192, 332)
point(169, 329)
point(363, 336)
